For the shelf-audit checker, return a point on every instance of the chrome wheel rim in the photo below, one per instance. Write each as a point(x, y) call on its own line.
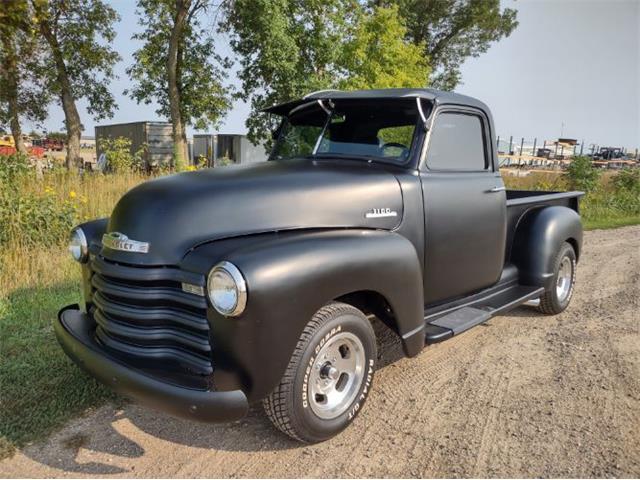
point(336, 376)
point(565, 279)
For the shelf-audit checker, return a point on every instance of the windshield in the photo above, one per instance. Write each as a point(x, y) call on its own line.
point(362, 129)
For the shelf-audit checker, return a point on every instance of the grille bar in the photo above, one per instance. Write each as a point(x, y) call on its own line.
point(150, 315)
point(144, 274)
point(199, 366)
point(118, 289)
point(152, 335)
point(143, 314)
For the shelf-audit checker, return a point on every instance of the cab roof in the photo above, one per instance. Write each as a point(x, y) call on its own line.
point(435, 96)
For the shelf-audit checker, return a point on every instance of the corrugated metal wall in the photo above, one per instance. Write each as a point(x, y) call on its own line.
point(157, 136)
point(160, 143)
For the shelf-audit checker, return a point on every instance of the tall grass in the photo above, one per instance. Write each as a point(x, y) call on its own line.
point(40, 388)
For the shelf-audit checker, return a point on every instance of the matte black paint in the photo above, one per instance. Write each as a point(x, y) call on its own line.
point(289, 277)
point(297, 231)
point(539, 236)
point(178, 212)
point(74, 331)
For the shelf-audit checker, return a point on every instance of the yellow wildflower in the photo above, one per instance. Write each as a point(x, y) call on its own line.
point(72, 194)
point(191, 168)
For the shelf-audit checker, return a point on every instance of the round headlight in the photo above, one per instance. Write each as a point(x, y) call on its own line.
point(78, 246)
point(227, 289)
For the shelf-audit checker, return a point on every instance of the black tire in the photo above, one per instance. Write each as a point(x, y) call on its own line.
point(288, 407)
point(550, 302)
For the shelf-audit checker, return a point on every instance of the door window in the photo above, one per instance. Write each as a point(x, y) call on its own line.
point(457, 143)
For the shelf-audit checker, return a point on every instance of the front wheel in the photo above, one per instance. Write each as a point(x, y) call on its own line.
point(328, 377)
point(557, 297)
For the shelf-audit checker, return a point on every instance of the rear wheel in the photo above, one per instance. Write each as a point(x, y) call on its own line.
point(329, 375)
point(557, 297)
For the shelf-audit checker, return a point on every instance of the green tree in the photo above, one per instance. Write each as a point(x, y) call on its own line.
point(290, 47)
point(178, 68)
point(452, 31)
point(22, 93)
point(78, 34)
point(378, 57)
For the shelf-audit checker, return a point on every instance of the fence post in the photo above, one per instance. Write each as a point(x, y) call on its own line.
point(521, 145)
point(498, 143)
point(533, 152)
point(510, 144)
point(581, 147)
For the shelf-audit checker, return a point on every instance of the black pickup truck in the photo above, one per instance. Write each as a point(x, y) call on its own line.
point(207, 291)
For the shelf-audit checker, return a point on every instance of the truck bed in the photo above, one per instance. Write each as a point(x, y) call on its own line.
point(521, 201)
point(537, 197)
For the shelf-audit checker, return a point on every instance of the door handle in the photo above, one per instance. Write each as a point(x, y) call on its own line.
point(497, 189)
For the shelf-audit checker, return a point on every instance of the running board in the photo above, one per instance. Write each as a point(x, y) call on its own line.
point(445, 324)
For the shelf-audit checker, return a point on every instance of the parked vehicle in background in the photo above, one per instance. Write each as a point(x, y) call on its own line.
point(49, 144)
point(544, 153)
point(611, 153)
point(208, 291)
point(7, 141)
point(8, 147)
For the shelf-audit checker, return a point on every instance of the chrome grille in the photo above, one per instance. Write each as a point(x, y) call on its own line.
point(143, 314)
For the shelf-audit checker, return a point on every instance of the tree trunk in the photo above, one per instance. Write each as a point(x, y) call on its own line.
point(11, 84)
point(174, 81)
point(71, 115)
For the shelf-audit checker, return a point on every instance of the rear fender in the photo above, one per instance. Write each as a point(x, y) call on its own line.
point(289, 278)
point(539, 236)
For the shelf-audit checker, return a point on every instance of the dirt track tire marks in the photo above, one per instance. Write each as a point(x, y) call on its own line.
point(525, 395)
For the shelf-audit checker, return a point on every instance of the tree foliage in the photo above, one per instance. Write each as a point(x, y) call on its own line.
point(205, 98)
point(23, 95)
point(376, 56)
point(82, 31)
point(199, 72)
point(452, 31)
point(287, 48)
point(78, 34)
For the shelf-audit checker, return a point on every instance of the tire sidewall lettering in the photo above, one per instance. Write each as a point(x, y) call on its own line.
point(365, 391)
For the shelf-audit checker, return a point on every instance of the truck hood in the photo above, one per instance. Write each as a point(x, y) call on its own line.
point(178, 212)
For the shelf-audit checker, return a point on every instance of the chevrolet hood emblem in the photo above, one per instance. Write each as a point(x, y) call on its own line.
point(119, 241)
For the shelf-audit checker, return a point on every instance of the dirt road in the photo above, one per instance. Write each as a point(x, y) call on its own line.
point(524, 395)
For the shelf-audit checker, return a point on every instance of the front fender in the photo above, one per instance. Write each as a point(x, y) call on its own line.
point(291, 276)
point(538, 238)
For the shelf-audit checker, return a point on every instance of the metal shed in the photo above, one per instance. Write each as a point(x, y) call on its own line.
point(156, 137)
point(218, 148)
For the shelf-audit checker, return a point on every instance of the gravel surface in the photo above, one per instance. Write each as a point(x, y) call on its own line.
point(523, 396)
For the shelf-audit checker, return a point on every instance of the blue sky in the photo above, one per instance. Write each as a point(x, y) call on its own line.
point(571, 67)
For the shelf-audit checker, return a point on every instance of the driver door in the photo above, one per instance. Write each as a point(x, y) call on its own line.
point(464, 206)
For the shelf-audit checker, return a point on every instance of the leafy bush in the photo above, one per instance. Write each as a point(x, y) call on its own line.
point(12, 168)
point(582, 175)
point(628, 180)
point(119, 156)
